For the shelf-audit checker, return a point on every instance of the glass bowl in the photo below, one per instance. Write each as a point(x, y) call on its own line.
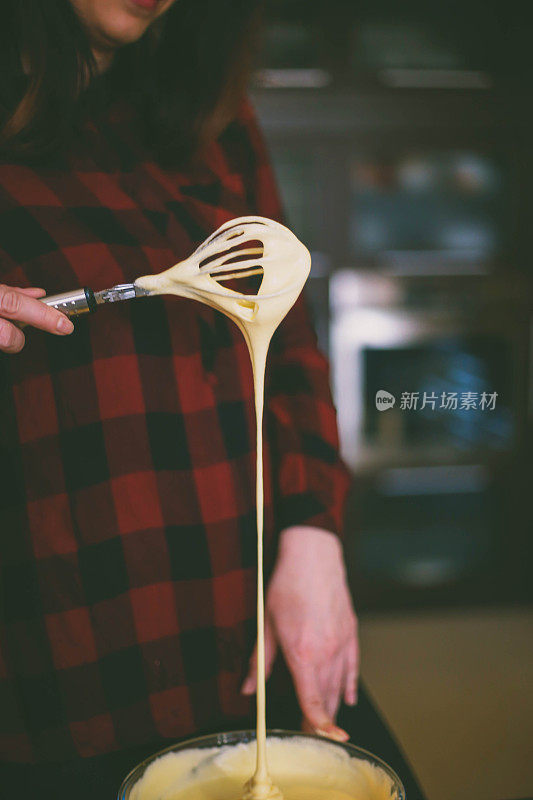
point(238, 737)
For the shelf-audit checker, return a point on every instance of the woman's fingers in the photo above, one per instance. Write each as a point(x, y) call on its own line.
point(332, 683)
point(352, 673)
point(21, 307)
point(11, 338)
point(310, 605)
point(250, 684)
point(312, 703)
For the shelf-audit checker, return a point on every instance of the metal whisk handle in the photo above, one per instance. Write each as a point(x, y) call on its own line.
point(74, 303)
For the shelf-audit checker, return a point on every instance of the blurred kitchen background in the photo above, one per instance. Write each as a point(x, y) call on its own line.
point(401, 137)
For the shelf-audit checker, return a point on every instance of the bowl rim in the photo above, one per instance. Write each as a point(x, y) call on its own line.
point(250, 733)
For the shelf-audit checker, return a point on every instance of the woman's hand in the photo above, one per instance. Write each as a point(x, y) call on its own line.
point(309, 613)
point(22, 305)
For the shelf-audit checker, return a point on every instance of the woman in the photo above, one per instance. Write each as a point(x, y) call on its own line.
point(127, 507)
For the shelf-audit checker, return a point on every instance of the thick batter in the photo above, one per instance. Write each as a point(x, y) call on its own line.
point(304, 769)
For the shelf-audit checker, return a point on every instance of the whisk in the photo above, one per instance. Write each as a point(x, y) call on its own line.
point(252, 248)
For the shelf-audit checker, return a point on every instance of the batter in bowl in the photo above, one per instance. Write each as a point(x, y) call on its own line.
point(302, 768)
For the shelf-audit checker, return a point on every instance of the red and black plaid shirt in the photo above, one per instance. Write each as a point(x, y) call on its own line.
point(127, 497)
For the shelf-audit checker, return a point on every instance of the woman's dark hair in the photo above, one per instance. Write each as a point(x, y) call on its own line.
point(185, 76)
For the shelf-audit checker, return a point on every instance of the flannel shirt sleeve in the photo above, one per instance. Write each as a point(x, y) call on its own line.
point(311, 481)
